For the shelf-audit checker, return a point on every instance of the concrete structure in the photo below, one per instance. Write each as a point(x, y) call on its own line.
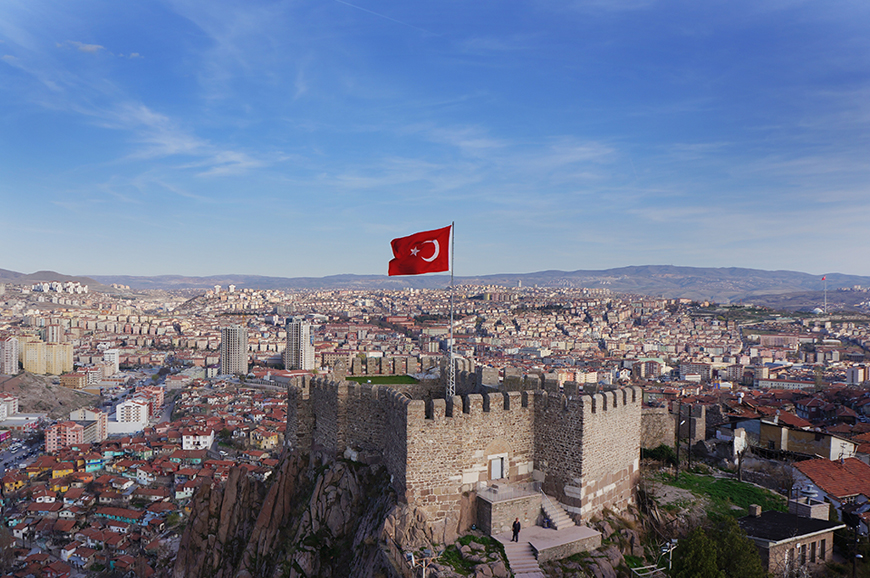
point(46, 358)
point(112, 356)
point(234, 350)
point(63, 435)
point(778, 436)
point(58, 358)
point(33, 356)
point(787, 542)
point(9, 355)
point(197, 439)
point(8, 405)
point(100, 417)
point(131, 415)
point(74, 380)
point(300, 349)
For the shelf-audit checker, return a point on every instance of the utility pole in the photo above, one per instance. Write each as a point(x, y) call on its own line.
point(689, 437)
point(677, 443)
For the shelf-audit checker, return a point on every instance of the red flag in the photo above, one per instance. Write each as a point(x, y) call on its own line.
point(425, 252)
point(825, 277)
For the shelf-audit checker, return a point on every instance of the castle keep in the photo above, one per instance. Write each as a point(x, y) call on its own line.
point(583, 450)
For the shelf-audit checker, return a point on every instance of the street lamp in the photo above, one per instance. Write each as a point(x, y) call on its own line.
point(424, 561)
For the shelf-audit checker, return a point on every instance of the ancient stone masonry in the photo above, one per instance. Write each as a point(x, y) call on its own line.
point(587, 448)
point(453, 447)
point(657, 427)
point(583, 449)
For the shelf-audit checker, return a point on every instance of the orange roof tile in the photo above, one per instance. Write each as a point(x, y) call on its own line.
point(841, 480)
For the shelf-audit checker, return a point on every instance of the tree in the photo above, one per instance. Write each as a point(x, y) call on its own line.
point(738, 555)
point(720, 551)
point(696, 557)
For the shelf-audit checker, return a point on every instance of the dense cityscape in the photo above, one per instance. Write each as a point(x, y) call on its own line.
point(173, 389)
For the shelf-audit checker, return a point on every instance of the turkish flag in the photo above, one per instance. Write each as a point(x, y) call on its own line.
point(425, 252)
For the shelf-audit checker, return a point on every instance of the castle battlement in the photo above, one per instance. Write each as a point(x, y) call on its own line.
point(584, 449)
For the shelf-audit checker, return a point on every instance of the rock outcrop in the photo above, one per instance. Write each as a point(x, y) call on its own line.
point(330, 521)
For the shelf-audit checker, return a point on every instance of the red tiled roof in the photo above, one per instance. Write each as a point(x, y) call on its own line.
point(841, 480)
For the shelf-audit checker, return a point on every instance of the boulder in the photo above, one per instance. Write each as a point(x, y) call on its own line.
point(499, 570)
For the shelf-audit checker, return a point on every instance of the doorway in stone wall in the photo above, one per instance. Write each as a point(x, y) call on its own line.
point(497, 466)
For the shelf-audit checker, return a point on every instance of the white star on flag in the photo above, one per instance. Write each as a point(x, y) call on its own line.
point(414, 251)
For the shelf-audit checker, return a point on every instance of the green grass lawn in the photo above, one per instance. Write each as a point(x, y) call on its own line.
point(726, 493)
point(384, 379)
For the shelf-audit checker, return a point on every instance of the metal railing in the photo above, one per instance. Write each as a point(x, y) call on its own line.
point(511, 492)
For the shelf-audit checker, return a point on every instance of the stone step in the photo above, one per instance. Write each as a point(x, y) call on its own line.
point(559, 518)
point(521, 558)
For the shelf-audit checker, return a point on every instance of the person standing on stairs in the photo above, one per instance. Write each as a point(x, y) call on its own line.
point(516, 528)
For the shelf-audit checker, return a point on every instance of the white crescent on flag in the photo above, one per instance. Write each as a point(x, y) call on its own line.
point(435, 254)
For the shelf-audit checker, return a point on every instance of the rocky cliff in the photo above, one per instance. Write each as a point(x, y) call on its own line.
point(338, 519)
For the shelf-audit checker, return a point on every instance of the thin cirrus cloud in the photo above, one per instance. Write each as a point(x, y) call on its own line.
point(81, 46)
point(635, 127)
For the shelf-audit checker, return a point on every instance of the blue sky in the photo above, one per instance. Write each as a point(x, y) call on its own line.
point(298, 138)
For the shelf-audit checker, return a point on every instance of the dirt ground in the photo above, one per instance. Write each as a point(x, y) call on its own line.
point(37, 394)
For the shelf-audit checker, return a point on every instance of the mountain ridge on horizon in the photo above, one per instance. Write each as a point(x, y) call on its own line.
point(721, 284)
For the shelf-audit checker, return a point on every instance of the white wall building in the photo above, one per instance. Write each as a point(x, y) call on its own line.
point(112, 356)
point(234, 350)
point(300, 350)
point(197, 439)
point(133, 410)
point(9, 355)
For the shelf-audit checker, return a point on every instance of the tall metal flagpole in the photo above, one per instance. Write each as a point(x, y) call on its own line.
point(825, 278)
point(451, 379)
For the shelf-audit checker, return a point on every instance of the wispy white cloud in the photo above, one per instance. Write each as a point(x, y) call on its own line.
point(385, 17)
point(81, 46)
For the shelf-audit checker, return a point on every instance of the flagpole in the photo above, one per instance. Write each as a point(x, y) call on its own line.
point(451, 379)
point(826, 294)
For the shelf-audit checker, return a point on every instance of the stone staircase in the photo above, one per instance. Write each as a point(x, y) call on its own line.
point(522, 559)
point(559, 518)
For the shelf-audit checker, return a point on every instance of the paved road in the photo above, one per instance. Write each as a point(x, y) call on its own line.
point(167, 413)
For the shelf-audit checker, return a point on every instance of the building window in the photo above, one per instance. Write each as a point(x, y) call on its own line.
point(822, 549)
point(813, 552)
point(803, 554)
point(496, 468)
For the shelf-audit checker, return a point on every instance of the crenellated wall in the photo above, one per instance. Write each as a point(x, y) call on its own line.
point(300, 418)
point(451, 447)
point(584, 449)
point(587, 447)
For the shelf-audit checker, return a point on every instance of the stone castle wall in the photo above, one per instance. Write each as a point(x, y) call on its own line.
point(611, 450)
point(585, 449)
point(451, 447)
point(658, 427)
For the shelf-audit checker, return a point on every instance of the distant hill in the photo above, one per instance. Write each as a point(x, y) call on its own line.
point(724, 285)
point(7, 276)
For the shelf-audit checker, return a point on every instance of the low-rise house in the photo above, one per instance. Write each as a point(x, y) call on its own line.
point(44, 510)
point(120, 514)
point(841, 482)
point(57, 569)
point(779, 436)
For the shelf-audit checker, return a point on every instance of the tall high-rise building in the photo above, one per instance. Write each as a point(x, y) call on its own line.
point(58, 358)
point(300, 351)
point(53, 333)
point(8, 355)
point(33, 356)
point(112, 356)
point(234, 350)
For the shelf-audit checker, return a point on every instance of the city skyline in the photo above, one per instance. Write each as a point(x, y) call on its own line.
point(583, 135)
